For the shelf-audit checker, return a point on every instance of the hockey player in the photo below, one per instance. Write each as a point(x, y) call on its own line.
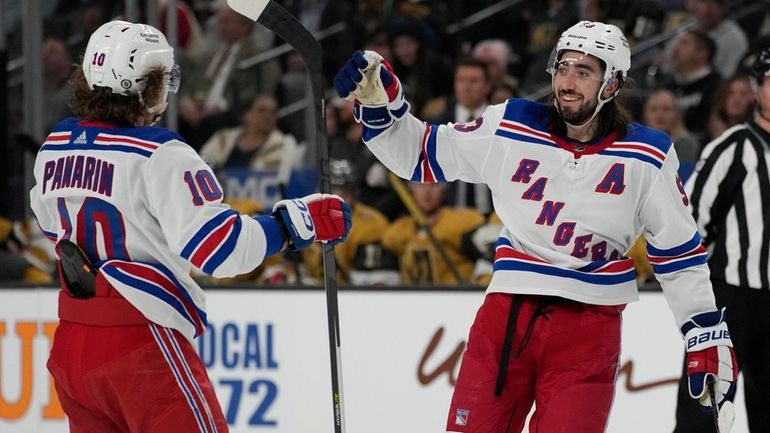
point(574, 183)
point(130, 206)
point(420, 260)
point(730, 201)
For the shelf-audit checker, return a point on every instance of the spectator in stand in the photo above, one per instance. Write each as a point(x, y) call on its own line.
point(730, 39)
point(222, 89)
point(471, 87)
point(25, 254)
point(547, 20)
point(661, 112)
point(496, 53)
point(469, 100)
point(733, 104)
point(421, 261)
point(257, 144)
point(57, 70)
point(503, 91)
point(361, 259)
point(378, 42)
point(425, 75)
point(293, 88)
point(693, 79)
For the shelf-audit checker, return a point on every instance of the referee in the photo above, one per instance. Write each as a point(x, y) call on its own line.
point(730, 199)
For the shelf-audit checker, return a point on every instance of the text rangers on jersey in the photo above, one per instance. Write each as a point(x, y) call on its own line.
point(574, 183)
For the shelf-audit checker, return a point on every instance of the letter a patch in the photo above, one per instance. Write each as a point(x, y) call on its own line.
point(461, 417)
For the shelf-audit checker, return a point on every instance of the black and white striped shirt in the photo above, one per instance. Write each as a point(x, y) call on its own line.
point(730, 199)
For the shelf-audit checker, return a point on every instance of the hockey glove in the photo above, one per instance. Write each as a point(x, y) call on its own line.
point(368, 79)
point(710, 354)
point(317, 217)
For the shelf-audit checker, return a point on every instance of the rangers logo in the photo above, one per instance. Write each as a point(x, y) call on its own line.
point(461, 417)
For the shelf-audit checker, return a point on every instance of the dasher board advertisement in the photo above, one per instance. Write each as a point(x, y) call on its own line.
point(267, 355)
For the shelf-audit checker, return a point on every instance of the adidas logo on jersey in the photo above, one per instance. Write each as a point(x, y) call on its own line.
point(82, 139)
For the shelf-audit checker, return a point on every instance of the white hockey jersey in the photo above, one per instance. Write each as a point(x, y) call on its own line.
point(569, 212)
point(144, 206)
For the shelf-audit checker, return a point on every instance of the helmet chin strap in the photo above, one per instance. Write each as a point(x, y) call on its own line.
point(600, 102)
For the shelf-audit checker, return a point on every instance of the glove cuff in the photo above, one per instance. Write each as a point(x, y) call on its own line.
point(381, 116)
point(700, 338)
point(297, 221)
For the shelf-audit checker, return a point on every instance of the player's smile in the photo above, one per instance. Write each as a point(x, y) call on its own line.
point(568, 99)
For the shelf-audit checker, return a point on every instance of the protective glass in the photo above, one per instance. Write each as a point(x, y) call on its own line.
point(173, 78)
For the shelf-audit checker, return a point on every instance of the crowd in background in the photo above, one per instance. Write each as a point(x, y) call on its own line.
point(691, 85)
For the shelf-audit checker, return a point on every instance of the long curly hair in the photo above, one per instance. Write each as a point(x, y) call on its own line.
point(100, 104)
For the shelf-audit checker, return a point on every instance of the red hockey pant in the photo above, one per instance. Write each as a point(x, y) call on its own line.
point(567, 366)
point(132, 379)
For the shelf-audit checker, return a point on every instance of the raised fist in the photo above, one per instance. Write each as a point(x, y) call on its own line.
point(369, 80)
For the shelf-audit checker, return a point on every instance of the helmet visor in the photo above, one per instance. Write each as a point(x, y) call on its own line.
point(576, 65)
point(173, 78)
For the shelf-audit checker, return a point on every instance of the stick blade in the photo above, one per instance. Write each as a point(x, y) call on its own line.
point(251, 9)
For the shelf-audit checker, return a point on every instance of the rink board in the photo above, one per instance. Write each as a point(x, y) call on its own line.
point(267, 354)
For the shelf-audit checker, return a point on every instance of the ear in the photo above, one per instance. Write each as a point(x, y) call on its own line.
point(613, 85)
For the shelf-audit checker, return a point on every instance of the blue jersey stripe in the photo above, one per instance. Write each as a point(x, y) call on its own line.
point(600, 279)
point(104, 147)
point(698, 260)
point(417, 174)
point(431, 148)
point(170, 275)
point(678, 250)
point(224, 250)
point(150, 289)
point(205, 231)
point(520, 137)
point(634, 155)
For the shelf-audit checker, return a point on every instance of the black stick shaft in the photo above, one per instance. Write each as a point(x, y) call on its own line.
point(283, 24)
point(714, 406)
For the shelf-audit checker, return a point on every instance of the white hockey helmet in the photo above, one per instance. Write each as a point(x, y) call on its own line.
point(119, 55)
point(603, 41)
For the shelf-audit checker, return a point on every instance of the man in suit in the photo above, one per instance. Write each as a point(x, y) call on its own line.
point(471, 87)
point(222, 88)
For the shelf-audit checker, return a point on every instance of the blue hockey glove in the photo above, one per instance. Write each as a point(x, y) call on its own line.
point(314, 218)
point(368, 79)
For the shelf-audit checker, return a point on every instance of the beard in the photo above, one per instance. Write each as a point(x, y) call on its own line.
point(576, 116)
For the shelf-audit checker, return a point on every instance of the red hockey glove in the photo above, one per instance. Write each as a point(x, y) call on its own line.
point(710, 355)
point(317, 217)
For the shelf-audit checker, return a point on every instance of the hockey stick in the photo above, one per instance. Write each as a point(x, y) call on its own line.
point(422, 222)
point(723, 416)
point(282, 23)
point(714, 406)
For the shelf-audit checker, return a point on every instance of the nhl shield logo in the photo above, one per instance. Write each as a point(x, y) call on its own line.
point(461, 417)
